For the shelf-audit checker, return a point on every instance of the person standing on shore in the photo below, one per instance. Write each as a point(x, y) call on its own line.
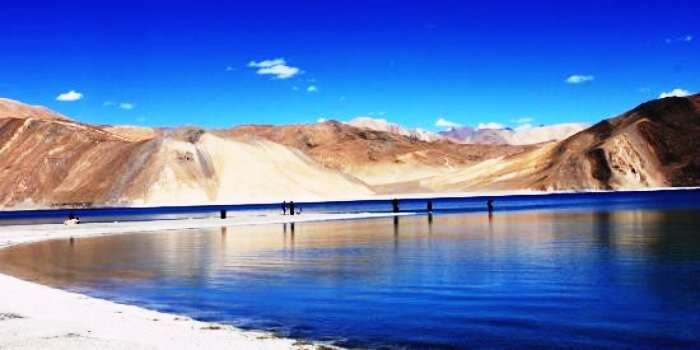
point(395, 205)
point(291, 207)
point(284, 208)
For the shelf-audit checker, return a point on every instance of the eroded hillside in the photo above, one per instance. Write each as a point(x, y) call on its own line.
point(656, 144)
point(49, 160)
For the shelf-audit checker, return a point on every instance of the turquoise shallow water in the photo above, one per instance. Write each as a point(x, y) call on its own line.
point(612, 277)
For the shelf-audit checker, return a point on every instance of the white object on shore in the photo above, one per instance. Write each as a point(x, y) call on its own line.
point(71, 222)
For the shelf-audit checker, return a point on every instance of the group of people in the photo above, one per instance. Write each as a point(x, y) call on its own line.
point(291, 208)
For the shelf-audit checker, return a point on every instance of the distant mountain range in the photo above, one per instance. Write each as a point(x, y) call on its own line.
point(384, 125)
point(51, 160)
point(523, 135)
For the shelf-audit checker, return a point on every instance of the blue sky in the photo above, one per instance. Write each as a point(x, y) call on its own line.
point(216, 64)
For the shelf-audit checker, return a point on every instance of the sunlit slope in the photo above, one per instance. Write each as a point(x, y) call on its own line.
point(656, 144)
point(387, 161)
point(206, 168)
point(49, 160)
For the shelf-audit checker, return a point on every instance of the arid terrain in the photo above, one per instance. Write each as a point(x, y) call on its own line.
point(48, 159)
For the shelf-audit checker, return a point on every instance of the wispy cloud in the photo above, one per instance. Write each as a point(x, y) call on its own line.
point(490, 125)
point(312, 88)
point(675, 93)
point(229, 69)
point(267, 63)
point(525, 120)
point(277, 67)
point(579, 79)
point(681, 39)
point(126, 106)
point(444, 123)
point(69, 96)
point(321, 120)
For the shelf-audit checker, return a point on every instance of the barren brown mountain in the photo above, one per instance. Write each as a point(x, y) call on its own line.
point(389, 162)
point(656, 144)
point(48, 160)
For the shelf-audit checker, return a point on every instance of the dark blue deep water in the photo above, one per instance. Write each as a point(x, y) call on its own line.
point(617, 272)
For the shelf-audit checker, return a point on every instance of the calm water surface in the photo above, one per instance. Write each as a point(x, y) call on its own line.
point(537, 279)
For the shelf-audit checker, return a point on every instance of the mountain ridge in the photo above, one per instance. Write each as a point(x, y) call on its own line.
point(51, 160)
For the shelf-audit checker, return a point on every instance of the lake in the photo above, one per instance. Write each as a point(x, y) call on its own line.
point(604, 276)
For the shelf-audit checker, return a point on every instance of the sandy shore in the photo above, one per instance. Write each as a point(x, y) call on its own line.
point(34, 316)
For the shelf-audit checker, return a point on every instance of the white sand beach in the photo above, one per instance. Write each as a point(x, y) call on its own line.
point(33, 316)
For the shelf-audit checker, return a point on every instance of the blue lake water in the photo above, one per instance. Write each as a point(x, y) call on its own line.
point(622, 273)
point(669, 198)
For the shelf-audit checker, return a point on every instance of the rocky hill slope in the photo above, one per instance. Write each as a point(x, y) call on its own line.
point(49, 160)
point(389, 162)
point(656, 144)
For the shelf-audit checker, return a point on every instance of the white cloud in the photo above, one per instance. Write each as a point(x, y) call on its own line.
point(69, 96)
point(267, 63)
point(230, 69)
point(525, 120)
point(579, 79)
point(276, 67)
point(321, 120)
point(490, 125)
point(280, 71)
point(675, 93)
point(121, 105)
point(444, 123)
point(312, 88)
point(126, 106)
point(680, 39)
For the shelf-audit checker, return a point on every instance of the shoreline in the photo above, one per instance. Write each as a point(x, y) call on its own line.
point(37, 316)
point(376, 197)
